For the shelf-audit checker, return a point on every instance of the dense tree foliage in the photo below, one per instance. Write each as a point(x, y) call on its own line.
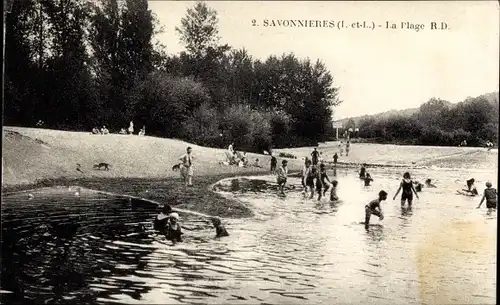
point(76, 64)
point(439, 122)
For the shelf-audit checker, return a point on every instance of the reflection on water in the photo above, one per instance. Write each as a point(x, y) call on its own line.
point(295, 251)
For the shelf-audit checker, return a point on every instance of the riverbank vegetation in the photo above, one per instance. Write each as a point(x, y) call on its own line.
point(75, 65)
point(438, 123)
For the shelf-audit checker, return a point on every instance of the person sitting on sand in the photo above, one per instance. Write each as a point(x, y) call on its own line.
point(95, 130)
point(160, 222)
point(282, 176)
point(104, 130)
point(333, 192)
point(373, 208)
point(428, 183)
point(220, 230)
point(173, 228)
point(367, 179)
point(257, 163)
point(490, 195)
point(471, 188)
point(123, 131)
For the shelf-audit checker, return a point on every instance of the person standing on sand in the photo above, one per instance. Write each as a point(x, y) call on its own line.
point(335, 158)
point(131, 128)
point(315, 156)
point(274, 163)
point(187, 167)
point(347, 148)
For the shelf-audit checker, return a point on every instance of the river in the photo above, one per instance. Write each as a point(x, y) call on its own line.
point(294, 251)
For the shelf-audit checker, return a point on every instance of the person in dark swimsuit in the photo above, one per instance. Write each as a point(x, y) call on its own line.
point(490, 195)
point(333, 193)
point(373, 208)
point(362, 172)
point(274, 163)
point(335, 158)
point(220, 230)
point(418, 186)
point(407, 186)
point(368, 179)
point(324, 184)
point(315, 156)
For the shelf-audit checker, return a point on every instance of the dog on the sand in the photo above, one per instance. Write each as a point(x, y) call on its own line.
point(176, 167)
point(104, 165)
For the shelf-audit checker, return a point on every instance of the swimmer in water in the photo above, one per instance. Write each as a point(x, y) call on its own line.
point(362, 172)
point(161, 220)
point(368, 179)
point(333, 192)
point(220, 230)
point(418, 186)
point(407, 195)
point(490, 195)
point(428, 183)
point(173, 229)
point(373, 208)
point(471, 188)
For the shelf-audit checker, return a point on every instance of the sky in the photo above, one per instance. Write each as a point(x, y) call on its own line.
point(376, 69)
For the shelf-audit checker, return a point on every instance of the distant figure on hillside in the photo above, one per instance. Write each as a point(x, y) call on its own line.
point(490, 195)
point(257, 163)
point(274, 163)
point(489, 145)
point(187, 167)
point(463, 143)
point(142, 132)
point(231, 148)
point(39, 123)
point(335, 158)
point(123, 131)
point(315, 156)
point(95, 130)
point(341, 148)
point(104, 130)
point(131, 128)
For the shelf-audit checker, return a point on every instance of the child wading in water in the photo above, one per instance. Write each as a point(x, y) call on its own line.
point(160, 222)
point(368, 179)
point(408, 190)
point(471, 188)
point(282, 176)
point(490, 195)
point(311, 175)
point(220, 230)
point(362, 172)
point(324, 184)
point(374, 208)
point(333, 193)
point(305, 173)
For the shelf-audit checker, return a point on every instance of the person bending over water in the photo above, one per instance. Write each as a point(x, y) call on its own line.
point(490, 195)
point(368, 179)
point(220, 230)
point(471, 188)
point(324, 184)
point(333, 193)
point(407, 186)
point(374, 208)
point(282, 176)
point(161, 220)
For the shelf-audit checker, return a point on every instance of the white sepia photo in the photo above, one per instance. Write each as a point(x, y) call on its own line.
point(249, 152)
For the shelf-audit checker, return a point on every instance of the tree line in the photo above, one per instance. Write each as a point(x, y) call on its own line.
point(76, 64)
point(438, 122)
